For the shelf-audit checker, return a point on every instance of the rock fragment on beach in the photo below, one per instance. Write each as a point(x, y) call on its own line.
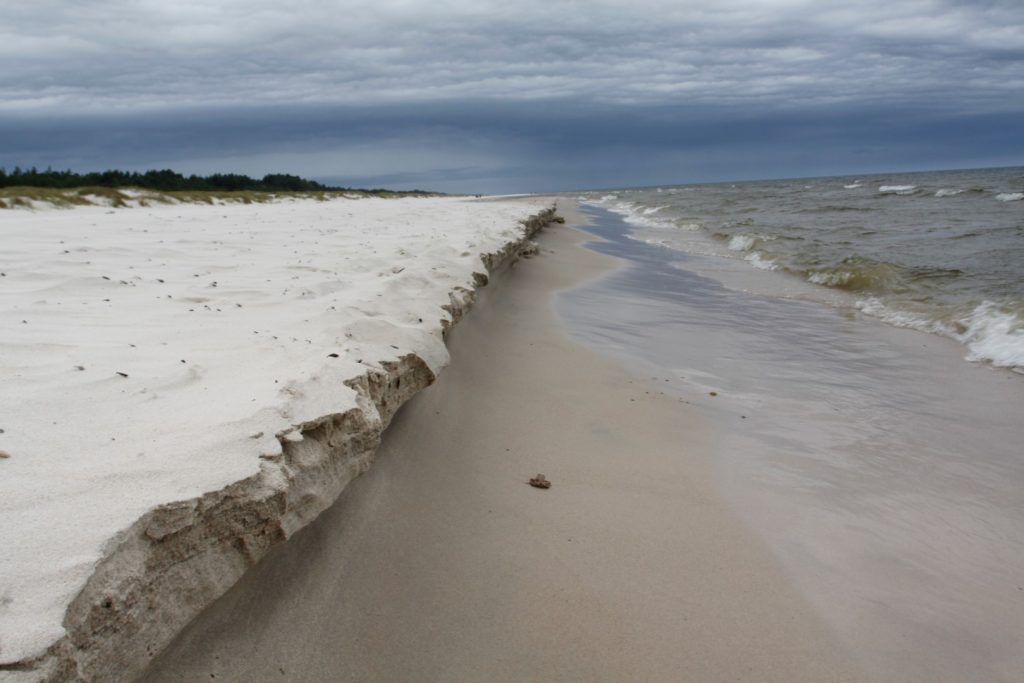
point(540, 482)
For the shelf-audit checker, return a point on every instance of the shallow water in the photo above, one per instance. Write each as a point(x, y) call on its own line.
point(885, 473)
point(941, 252)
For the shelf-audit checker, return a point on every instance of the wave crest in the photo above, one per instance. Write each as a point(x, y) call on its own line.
point(995, 335)
point(992, 333)
point(857, 274)
point(742, 242)
point(755, 259)
point(897, 189)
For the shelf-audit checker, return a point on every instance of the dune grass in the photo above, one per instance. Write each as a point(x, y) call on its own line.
point(36, 197)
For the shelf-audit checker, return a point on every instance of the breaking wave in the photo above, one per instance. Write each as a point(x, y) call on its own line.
point(857, 274)
point(897, 189)
point(991, 333)
point(631, 212)
point(994, 335)
point(900, 261)
point(755, 259)
point(742, 242)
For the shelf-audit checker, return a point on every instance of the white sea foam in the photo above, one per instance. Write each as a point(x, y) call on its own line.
point(948, 193)
point(897, 189)
point(994, 335)
point(853, 186)
point(990, 333)
point(644, 222)
point(754, 258)
point(1010, 196)
point(742, 242)
point(633, 214)
point(830, 279)
point(874, 307)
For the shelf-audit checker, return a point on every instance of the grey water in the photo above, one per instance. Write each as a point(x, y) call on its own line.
point(941, 252)
point(884, 472)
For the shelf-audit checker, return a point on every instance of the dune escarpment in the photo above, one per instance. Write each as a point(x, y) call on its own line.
point(155, 575)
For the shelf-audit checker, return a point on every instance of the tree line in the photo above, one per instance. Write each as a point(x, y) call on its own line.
point(165, 180)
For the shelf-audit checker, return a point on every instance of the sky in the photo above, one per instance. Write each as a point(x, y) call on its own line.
point(513, 96)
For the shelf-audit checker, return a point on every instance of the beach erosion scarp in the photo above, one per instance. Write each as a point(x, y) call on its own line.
point(186, 386)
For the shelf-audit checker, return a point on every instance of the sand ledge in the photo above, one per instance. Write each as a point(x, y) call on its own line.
point(178, 558)
point(443, 564)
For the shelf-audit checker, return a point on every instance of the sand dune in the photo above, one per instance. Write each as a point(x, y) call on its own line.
point(154, 355)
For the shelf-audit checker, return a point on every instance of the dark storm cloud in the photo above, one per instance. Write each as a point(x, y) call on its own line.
point(512, 96)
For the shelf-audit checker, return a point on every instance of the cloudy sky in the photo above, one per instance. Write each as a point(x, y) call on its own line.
point(520, 95)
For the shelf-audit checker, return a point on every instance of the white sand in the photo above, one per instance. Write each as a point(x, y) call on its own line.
point(224, 320)
point(442, 564)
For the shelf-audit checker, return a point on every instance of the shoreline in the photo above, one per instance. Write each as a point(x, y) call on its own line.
point(157, 574)
point(888, 498)
point(442, 564)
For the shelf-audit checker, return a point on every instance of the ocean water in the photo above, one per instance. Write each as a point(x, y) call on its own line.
point(940, 252)
point(884, 473)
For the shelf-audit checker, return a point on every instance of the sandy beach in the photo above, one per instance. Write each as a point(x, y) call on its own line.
point(187, 385)
point(534, 341)
point(442, 563)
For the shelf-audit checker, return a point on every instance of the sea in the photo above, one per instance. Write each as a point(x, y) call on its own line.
point(856, 344)
point(941, 252)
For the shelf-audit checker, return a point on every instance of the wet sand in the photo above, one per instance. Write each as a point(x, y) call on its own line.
point(882, 470)
point(442, 563)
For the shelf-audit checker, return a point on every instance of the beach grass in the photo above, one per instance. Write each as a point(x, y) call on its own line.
point(33, 197)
